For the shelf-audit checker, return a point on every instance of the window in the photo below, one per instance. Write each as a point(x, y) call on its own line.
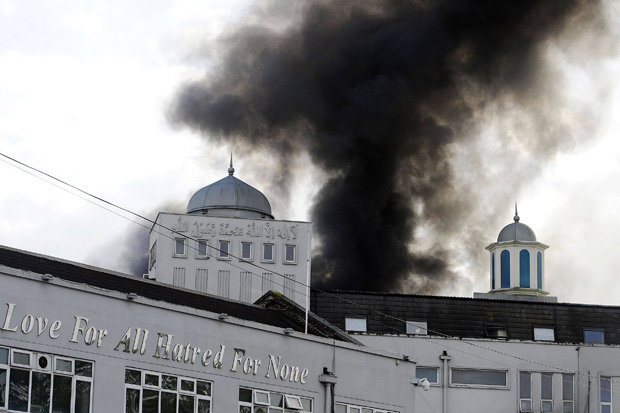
point(268, 253)
point(223, 283)
point(544, 334)
point(350, 408)
point(568, 405)
point(289, 286)
point(202, 277)
point(539, 270)
point(224, 250)
point(595, 336)
point(49, 382)
point(496, 330)
point(246, 251)
point(147, 391)
point(505, 268)
point(267, 281)
point(245, 287)
point(493, 271)
point(605, 384)
point(202, 252)
point(419, 328)
point(290, 254)
point(179, 247)
point(546, 392)
point(355, 324)
point(524, 268)
point(429, 373)
point(471, 377)
point(525, 391)
point(153, 255)
point(178, 276)
point(261, 401)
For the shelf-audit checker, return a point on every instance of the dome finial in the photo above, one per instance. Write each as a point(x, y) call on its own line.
point(516, 218)
point(231, 170)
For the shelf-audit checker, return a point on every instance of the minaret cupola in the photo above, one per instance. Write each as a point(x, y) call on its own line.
point(517, 261)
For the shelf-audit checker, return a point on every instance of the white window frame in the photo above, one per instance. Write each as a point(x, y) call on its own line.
point(284, 260)
point(480, 386)
point(351, 322)
point(219, 250)
point(251, 257)
point(57, 371)
point(541, 334)
point(611, 392)
point(416, 327)
point(199, 256)
point(349, 408)
point(528, 399)
point(153, 255)
point(174, 247)
point(287, 401)
point(255, 400)
point(570, 402)
point(292, 402)
point(16, 364)
point(273, 252)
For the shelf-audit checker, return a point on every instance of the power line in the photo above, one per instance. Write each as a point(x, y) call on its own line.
point(307, 287)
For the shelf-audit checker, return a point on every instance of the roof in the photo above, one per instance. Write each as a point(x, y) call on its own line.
point(230, 197)
point(466, 317)
point(277, 312)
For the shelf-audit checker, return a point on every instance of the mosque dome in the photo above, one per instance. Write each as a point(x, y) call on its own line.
point(230, 197)
point(516, 232)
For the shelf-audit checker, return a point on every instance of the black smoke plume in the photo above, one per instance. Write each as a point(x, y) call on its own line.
point(380, 93)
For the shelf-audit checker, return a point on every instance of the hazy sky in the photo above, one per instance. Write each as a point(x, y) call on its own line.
point(84, 90)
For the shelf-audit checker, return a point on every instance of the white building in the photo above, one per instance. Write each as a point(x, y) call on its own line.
point(229, 244)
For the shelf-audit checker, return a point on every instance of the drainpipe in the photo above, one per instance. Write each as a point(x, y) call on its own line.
point(329, 381)
point(445, 358)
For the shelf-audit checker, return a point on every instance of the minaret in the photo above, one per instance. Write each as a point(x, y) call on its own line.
point(517, 262)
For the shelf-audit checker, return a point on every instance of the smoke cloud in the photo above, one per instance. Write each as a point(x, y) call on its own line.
point(400, 103)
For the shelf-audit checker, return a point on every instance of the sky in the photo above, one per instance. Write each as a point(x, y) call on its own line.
point(85, 89)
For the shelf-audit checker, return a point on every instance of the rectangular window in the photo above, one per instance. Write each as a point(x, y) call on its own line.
point(350, 408)
point(289, 286)
point(525, 391)
point(202, 277)
point(496, 330)
point(267, 281)
point(546, 392)
point(246, 251)
point(471, 377)
point(147, 392)
point(606, 389)
point(290, 254)
point(428, 373)
point(568, 404)
point(595, 336)
point(245, 287)
point(224, 250)
point(202, 252)
point(355, 324)
point(419, 328)
point(178, 276)
point(261, 401)
point(223, 283)
point(179, 247)
point(544, 334)
point(36, 389)
point(153, 255)
point(268, 253)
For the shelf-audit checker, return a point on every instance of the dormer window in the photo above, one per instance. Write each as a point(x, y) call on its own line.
point(496, 330)
point(544, 334)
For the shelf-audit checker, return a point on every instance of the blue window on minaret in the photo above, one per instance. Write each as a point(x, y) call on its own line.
point(524, 268)
point(493, 271)
point(539, 270)
point(505, 264)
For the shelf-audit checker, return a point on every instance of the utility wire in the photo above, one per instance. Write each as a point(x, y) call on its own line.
point(274, 272)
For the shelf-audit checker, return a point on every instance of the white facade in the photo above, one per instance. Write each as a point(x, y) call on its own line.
point(189, 251)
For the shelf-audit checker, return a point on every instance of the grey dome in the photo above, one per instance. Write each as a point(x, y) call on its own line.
point(516, 232)
point(230, 197)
